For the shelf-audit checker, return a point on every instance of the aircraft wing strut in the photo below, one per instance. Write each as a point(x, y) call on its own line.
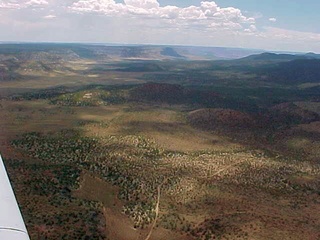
point(12, 226)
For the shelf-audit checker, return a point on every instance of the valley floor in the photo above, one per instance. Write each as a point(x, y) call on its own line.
point(95, 171)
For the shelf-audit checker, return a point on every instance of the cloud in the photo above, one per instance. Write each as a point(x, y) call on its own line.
point(13, 4)
point(50, 16)
point(208, 14)
point(145, 21)
point(291, 35)
point(10, 4)
point(144, 4)
point(36, 2)
point(272, 19)
point(251, 29)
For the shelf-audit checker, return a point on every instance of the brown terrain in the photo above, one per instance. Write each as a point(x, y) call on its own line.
point(221, 189)
point(93, 160)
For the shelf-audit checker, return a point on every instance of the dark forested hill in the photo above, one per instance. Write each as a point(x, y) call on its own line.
point(294, 72)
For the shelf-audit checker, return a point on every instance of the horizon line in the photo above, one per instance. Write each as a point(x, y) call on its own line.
point(156, 45)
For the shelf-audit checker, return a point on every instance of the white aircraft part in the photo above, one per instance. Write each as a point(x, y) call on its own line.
point(12, 226)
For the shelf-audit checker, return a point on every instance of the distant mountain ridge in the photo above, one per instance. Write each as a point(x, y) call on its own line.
point(313, 55)
point(120, 52)
point(269, 56)
point(190, 64)
point(144, 52)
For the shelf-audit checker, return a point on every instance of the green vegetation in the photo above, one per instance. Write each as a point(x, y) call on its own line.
point(49, 207)
point(111, 158)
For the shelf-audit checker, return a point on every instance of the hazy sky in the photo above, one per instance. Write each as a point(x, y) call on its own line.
point(264, 24)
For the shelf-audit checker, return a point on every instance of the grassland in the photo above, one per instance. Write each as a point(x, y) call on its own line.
point(105, 157)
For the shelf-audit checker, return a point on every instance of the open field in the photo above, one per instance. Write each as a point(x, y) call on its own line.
point(100, 152)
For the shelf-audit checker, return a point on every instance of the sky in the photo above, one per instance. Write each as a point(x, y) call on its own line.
point(279, 25)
